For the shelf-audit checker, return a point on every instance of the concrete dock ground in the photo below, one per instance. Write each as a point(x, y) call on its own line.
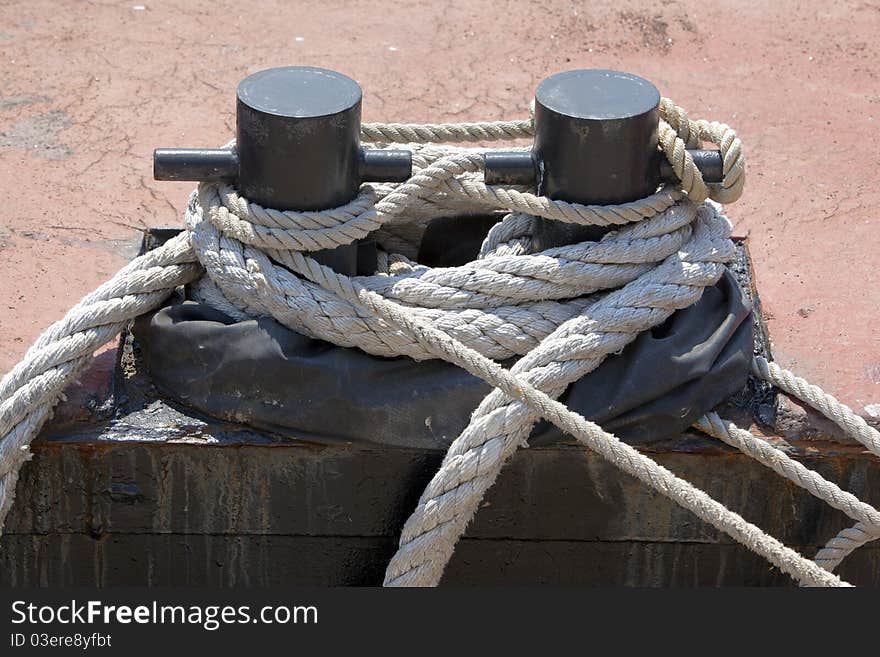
point(90, 88)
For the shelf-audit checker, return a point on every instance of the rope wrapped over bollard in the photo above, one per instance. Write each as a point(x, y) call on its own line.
point(563, 310)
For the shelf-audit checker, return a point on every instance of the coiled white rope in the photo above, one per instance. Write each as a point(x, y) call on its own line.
point(563, 311)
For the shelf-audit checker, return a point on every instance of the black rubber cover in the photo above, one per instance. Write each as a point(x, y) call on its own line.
point(260, 373)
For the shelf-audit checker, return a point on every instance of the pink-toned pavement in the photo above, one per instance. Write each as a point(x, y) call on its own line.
point(88, 89)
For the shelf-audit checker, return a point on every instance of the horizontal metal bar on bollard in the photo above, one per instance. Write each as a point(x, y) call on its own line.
point(392, 165)
point(195, 164)
point(522, 167)
point(221, 164)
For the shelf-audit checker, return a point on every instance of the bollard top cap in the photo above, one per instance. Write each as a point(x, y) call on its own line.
point(300, 92)
point(597, 94)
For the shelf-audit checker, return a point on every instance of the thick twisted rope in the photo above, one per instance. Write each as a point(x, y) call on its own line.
point(563, 310)
point(867, 528)
point(29, 392)
point(844, 544)
point(853, 426)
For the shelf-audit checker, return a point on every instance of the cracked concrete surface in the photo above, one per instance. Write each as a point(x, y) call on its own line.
point(97, 85)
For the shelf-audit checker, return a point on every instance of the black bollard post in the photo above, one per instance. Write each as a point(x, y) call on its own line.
point(596, 140)
point(595, 143)
point(297, 148)
point(298, 133)
point(298, 137)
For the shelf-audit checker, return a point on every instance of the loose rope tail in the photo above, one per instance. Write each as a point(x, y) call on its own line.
point(842, 415)
point(867, 528)
point(620, 454)
point(562, 311)
point(31, 389)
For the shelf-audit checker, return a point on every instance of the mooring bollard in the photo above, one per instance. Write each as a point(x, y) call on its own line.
point(595, 143)
point(297, 148)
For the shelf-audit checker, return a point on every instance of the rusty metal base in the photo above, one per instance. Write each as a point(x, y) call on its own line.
point(126, 488)
point(245, 510)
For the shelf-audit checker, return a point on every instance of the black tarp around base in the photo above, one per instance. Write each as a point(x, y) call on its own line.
point(260, 373)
